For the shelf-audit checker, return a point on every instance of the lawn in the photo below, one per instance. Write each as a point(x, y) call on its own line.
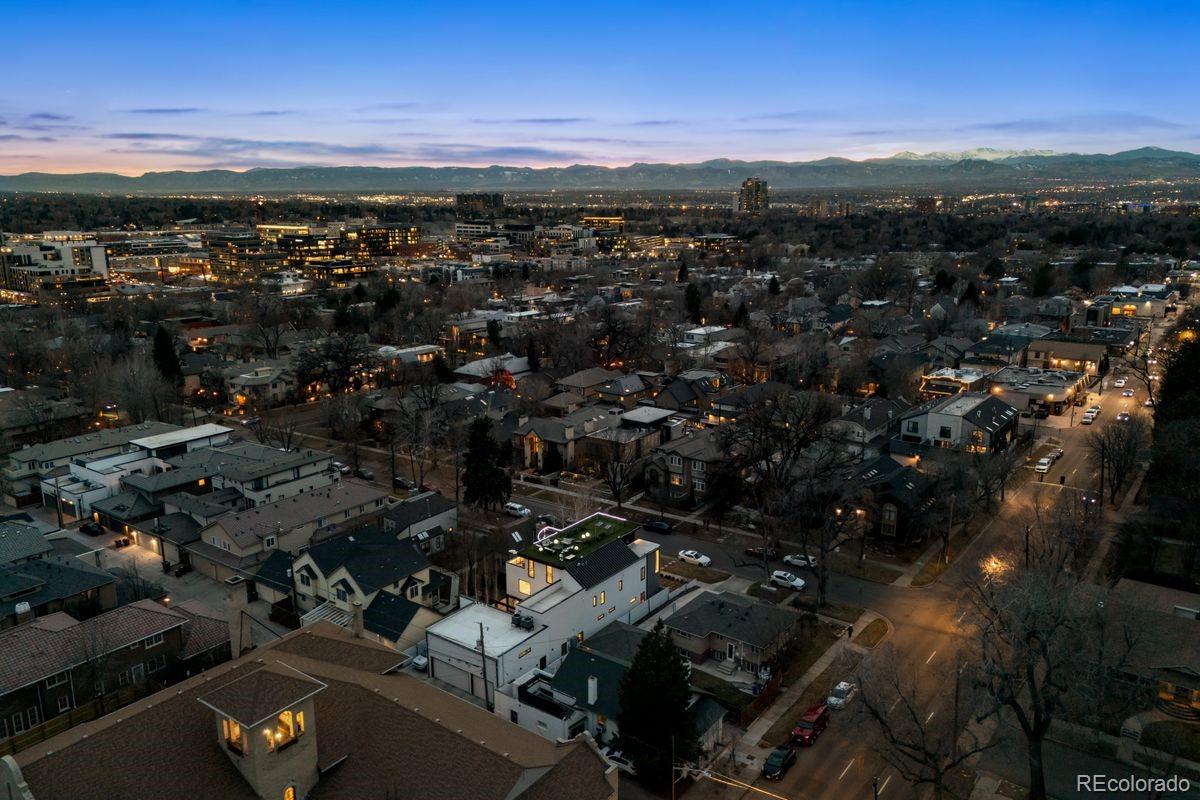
point(872, 634)
point(814, 638)
point(1176, 737)
point(817, 691)
point(844, 611)
point(935, 566)
point(694, 572)
point(868, 570)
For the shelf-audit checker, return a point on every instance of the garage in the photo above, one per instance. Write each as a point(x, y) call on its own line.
point(457, 677)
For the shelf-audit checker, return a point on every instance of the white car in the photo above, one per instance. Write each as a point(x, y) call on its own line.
point(1043, 464)
point(1088, 418)
point(1119, 383)
point(340, 467)
point(694, 557)
point(787, 580)
point(1127, 393)
point(798, 560)
point(841, 695)
point(516, 510)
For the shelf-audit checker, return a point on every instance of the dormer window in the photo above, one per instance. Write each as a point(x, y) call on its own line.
point(235, 737)
point(269, 541)
point(289, 726)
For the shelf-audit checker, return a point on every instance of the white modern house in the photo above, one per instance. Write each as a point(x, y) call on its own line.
point(562, 588)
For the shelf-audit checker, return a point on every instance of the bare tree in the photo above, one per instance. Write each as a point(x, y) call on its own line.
point(1042, 634)
point(617, 473)
point(140, 389)
point(1116, 449)
point(927, 748)
point(993, 471)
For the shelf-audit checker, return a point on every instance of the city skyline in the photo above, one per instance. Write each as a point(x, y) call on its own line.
point(280, 87)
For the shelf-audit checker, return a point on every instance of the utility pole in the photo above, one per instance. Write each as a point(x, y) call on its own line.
point(483, 668)
point(875, 787)
point(1027, 527)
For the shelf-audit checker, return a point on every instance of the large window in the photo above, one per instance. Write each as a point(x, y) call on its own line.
point(524, 588)
point(235, 737)
point(288, 727)
point(944, 433)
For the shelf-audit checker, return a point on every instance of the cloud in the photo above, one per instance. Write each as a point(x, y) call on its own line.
point(531, 120)
point(272, 112)
point(16, 137)
point(139, 136)
point(49, 116)
point(648, 123)
point(803, 115)
point(475, 153)
point(165, 111)
point(1077, 123)
point(400, 106)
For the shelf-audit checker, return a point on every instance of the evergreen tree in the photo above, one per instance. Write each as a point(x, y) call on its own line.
point(485, 483)
point(165, 356)
point(655, 722)
point(495, 337)
point(441, 370)
point(531, 355)
point(773, 286)
point(741, 316)
point(1043, 280)
point(943, 281)
point(683, 273)
point(693, 299)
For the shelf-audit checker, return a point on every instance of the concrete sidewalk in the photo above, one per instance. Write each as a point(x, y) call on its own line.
point(752, 740)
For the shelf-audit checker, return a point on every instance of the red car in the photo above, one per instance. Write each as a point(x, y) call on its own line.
point(811, 725)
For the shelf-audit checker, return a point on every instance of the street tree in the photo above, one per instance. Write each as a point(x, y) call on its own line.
point(1116, 449)
point(927, 749)
point(1042, 635)
point(617, 474)
point(166, 357)
point(657, 730)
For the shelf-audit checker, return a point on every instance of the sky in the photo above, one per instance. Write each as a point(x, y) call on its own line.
point(133, 87)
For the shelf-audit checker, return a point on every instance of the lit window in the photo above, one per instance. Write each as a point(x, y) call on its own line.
point(285, 732)
point(602, 600)
point(549, 574)
point(643, 573)
point(524, 588)
point(593, 601)
point(235, 738)
point(620, 584)
point(532, 568)
point(657, 562)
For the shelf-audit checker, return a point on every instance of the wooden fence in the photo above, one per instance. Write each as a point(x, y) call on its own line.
point(76, 716)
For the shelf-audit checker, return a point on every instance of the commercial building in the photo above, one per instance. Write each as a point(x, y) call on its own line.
point(754, 197)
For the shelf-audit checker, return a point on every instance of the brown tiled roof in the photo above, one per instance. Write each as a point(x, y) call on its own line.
point(205, 630)
point(262, 694)
point(49, 645)
point(394, 732)
point(268, 519)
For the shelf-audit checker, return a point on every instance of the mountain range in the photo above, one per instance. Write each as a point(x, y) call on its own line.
point(974, 168)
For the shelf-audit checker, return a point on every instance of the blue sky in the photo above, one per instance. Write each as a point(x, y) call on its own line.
point(132, 87)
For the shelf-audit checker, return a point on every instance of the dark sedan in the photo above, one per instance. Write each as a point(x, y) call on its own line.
point(779, 762)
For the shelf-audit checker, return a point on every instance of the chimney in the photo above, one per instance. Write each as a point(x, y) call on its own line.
point(867, 411)
point(357, 611)
point(593, 690)
point(235, 611)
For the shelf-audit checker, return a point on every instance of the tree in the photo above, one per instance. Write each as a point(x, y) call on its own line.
point(773, 287)
point(165, 356)
point(441, 369)
point(495, 335)
point(140, 389)
point(485, 483)
point(694, 301)
point(926, 749)
point(1043, 280)
point(741, 316)
point(682, 275)
point(1116, 449)
point(531, 356)
point(657, 730)
point(617, 474)
point(1043, 636)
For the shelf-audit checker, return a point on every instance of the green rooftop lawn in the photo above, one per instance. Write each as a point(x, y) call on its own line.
point(586, 536)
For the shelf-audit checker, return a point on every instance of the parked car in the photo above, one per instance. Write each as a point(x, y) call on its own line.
point(1043, 464)
point(250, 421)
point(657, 526)
point(420, 663)
point(1119, 383)
point(547, 519)
point(400, 482)
point(1094, 410)
point(92, 529)
point(1088, 418)
point(787, 580)
point(618, 760)
point(779, 762)
point(1123, 416)
point(769, 553)
point(516, 510)
point(1127, 393)
point(811, 725)
point(1055, 454)
point(340, 467)
point(798, 560)
point(841, 695)
point(694, 557)
point(429, 487)
point(364, 473)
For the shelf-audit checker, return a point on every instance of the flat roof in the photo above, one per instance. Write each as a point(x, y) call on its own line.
point(462, 628)
point(180, 436)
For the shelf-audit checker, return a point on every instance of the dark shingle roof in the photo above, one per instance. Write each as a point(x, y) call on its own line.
point(19, 541)
point(419, 508)
point(54, 581)
point(572, 678)
point(602, 563)
point(276, 571)
point(374, 560)
point(261, 694)
point(736, 617)
point(389, 614)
